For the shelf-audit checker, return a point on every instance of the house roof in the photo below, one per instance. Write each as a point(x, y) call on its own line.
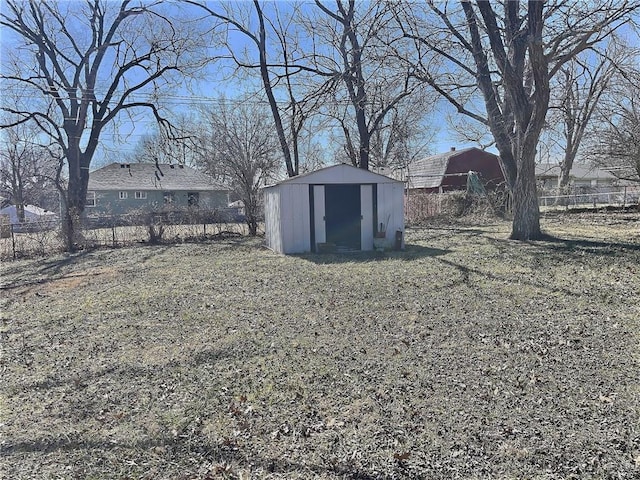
point(578, 172)
point(148, 176)
point(30, 211)
point(341, 173)
point(429, 172)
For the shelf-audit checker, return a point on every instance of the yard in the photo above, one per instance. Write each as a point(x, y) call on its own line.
point(466, 356)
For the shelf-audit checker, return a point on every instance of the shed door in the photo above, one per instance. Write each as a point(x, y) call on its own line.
point(343, 215)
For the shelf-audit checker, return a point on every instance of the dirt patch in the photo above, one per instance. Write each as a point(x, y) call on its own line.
point(76, 279)
point(62, 283)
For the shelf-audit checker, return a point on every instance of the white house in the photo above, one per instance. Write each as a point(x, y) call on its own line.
point(35, 218)
point(341, 206)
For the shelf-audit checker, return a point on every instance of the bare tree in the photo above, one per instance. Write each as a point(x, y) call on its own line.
point(91, 63)
point(255, 26)
point(162, 147)
point(576, 96)
point(355, 45)
point(405, 135)
point(617, 146)
point(335, 58)
point(509, 52)
point(26, 168)
point(239, 148)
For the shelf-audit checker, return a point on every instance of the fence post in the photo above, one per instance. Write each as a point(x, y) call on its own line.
point(113, 235)
point(624, 197)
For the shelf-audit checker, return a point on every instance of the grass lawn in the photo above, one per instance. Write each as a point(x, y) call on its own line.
point(466, 356)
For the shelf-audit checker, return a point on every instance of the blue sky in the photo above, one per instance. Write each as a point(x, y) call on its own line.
point(120, 145)
point(120, 141)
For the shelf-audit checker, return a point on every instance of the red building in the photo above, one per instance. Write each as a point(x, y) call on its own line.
point(446, 172)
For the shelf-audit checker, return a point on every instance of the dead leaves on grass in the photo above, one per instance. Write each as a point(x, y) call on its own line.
point(369, 378)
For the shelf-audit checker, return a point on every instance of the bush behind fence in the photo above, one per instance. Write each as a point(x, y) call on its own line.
point(421, 208)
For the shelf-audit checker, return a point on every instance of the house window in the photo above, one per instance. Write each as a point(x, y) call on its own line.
point(193, 199)
point(123, 195)
point(141, 195)
point(168, 198)
point(91, 199)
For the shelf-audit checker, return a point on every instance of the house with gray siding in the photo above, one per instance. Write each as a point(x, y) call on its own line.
point(121, 188)
point(581, 177)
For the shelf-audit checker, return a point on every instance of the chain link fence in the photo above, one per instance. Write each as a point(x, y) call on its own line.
point(591, 197)
point(46, 238)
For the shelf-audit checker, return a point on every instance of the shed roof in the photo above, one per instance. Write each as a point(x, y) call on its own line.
point(148, 176)
point(341, 173)
point(429, 172)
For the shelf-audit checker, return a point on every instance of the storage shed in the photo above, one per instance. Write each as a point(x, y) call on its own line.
point(341, 207)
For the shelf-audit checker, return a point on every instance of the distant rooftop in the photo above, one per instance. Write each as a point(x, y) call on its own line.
point(148, 176)
point(578, 172)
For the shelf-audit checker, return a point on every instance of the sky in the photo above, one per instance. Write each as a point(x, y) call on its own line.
point(121, 140)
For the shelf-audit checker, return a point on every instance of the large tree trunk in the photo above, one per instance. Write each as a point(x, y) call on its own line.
point(519, 170)
point(526, 213)
point(365, 142)
point(76, 197)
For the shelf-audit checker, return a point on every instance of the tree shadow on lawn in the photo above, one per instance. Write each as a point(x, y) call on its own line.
point(51, 268)
point(411, 252)
point(563, 249)
point(284, 466)
point(52, 264)
point(554, 250)
point(465, 279)
point(209, 356)
point(80, 381)
point(473, 231)
point(44, 445)
point(583, 245)
point(224, 454)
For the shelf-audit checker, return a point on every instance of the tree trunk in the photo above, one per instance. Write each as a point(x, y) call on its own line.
point(292, 170)
point(76, 198)
point(364, 147)
point(563, 179)
point(565, 171)
point(252, 223)
point(251, 219)
point(526, 214)
point(251, 212)
point(20, 209)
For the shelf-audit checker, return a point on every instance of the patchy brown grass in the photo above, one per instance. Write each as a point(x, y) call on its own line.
point(466, 356)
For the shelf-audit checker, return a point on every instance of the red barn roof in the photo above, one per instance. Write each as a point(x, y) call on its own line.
point(448, 171)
